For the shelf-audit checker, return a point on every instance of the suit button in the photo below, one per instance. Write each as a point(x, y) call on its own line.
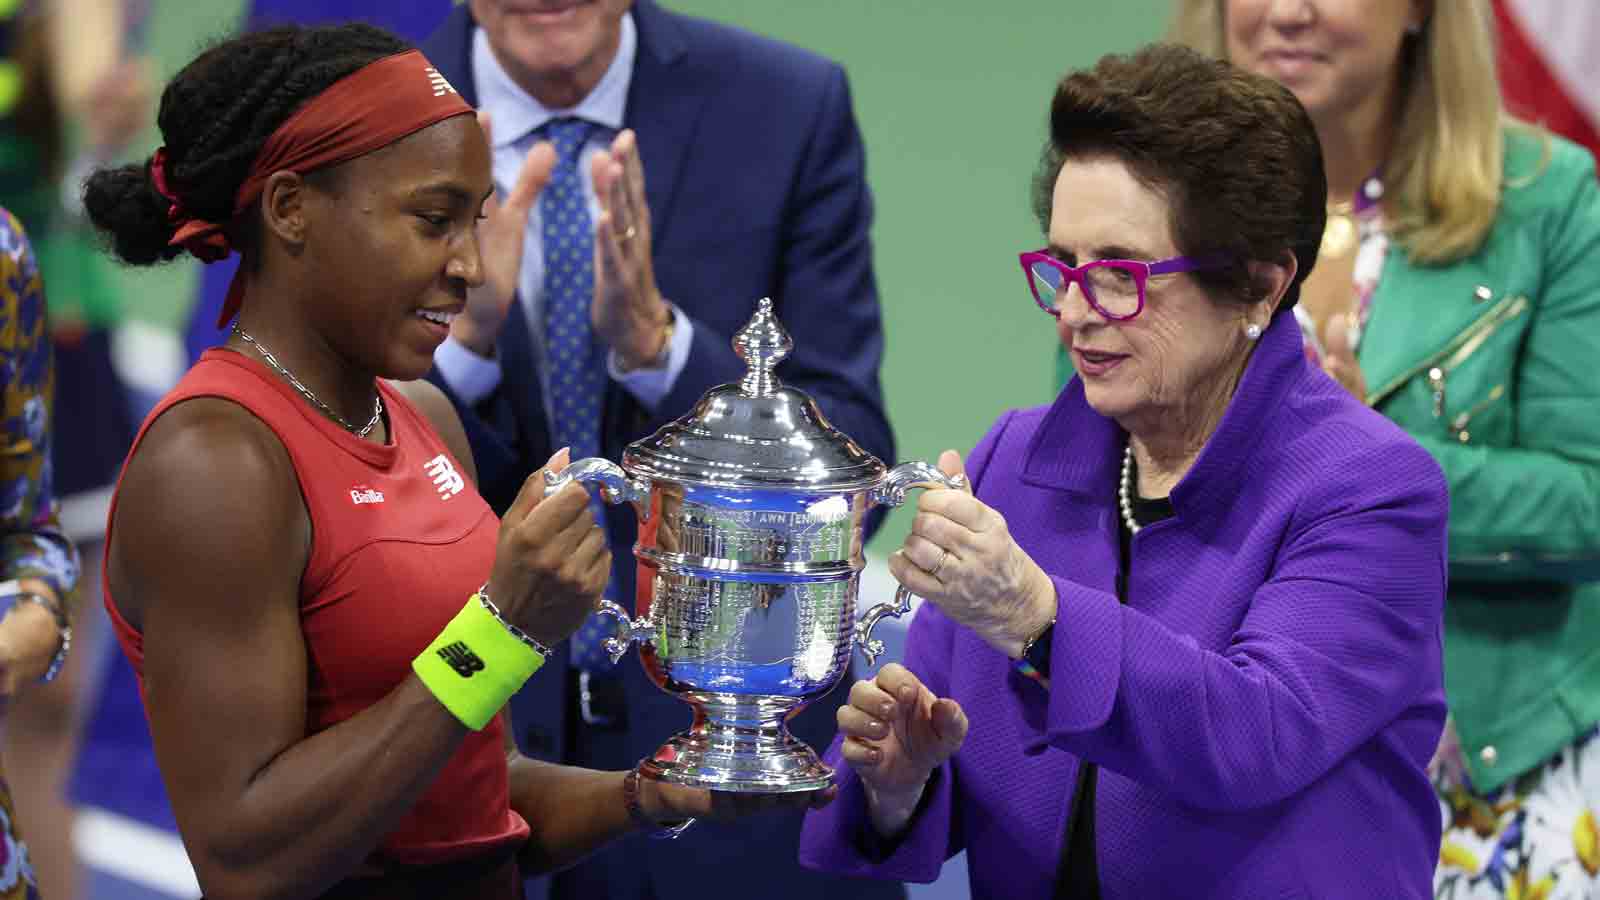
point(1489, 755)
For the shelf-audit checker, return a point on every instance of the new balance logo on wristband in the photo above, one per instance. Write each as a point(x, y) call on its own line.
point(461, 658)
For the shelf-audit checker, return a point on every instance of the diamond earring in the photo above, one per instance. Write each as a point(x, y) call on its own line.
point(1252, 332)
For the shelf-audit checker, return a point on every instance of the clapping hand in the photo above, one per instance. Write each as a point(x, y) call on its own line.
point(629, 312)
point(501, 234)
point(117, 108)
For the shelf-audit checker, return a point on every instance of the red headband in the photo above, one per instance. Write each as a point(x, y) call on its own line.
point(372, 107)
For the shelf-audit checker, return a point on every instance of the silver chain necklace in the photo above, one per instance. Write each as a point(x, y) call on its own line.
point(274, 365)
point(1125, 492)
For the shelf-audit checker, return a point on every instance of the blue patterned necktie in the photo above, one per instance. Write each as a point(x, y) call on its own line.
point(576, 360)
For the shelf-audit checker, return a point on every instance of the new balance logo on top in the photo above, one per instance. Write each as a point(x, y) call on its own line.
point(444, 475)
point(440, 85)
point(461, 658)
point(363, 494)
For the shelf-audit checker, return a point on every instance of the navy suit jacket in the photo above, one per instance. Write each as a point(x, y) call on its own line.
point(755, 178)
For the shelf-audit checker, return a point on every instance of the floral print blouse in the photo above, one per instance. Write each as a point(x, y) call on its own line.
point(31, 541)
point(32, 544)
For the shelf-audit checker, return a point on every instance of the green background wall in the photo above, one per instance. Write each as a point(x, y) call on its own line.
point(951, 96)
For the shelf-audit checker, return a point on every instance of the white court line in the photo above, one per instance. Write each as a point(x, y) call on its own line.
point(83, 515)
point(133, 851)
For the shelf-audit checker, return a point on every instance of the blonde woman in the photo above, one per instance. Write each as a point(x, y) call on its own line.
point(1458, 292)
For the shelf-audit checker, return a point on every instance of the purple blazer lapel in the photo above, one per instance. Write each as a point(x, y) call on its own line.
point(1077, 449)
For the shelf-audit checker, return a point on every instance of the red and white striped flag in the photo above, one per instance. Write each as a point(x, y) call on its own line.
point(1550, 65)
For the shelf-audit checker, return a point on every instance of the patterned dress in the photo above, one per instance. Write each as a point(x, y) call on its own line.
point(31, 542)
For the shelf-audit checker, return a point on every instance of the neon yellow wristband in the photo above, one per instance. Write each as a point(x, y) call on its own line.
point(475, 665)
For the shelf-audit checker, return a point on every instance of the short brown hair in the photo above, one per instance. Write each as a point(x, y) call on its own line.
point(1235, 153)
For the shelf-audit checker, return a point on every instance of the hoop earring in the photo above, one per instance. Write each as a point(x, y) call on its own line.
point(1252, 332)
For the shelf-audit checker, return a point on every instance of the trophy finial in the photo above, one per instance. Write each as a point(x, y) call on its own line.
point(762, 343)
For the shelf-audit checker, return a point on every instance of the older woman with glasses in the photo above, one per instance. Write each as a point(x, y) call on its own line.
point(1183, 637)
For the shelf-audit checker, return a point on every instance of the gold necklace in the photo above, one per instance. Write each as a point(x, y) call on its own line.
point(1341, 232)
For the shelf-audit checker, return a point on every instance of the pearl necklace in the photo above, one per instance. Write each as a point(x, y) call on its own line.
point(273, 364)
point(1125, 492)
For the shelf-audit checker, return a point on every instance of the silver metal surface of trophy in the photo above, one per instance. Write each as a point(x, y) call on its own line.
point(751, 511)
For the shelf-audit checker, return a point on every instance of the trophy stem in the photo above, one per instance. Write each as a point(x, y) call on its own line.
point(739, 744)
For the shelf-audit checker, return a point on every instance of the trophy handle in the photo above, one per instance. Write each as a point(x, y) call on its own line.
point(615, 485)
point(872, 647)
point(639, 629)
point(892, 492)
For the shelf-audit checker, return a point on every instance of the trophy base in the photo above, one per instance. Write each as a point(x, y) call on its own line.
point(740, 745)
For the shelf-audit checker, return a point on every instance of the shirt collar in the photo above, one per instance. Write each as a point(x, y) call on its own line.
point(517, 113)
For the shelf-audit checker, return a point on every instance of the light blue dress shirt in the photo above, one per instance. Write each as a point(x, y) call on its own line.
point(516, 115)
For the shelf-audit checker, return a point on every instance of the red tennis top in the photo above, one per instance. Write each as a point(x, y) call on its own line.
point(400, 541)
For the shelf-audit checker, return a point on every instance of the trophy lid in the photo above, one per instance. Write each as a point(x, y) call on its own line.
point(756, 433)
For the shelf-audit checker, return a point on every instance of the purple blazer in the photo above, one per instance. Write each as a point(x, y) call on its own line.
point(1263, 707)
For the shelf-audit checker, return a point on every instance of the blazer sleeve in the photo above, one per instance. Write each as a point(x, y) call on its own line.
point(501, 466)
point(826, 296)
point(839, 838)
point(1327, 654)
point(1533, 510)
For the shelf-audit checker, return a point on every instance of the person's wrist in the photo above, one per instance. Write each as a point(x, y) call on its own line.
point(531, 638)
point(518, 614)
point(1038, 615)
point(30, 640)
point(650, 349)
point(647, 808)
point(39, 628)
point(891, 809)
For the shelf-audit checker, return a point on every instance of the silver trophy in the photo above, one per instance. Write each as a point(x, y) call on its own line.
point(751, 512)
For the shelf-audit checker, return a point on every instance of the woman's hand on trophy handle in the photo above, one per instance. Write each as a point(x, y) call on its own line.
point(896, 734)
point(961, 556)
point(551, 561)
point(892, 490)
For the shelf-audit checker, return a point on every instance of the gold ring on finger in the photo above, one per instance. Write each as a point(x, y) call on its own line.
point(944, 555)
point(630, 232)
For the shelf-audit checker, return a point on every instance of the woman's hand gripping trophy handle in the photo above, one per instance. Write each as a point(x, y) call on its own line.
point(551, 562)
point(614, 486)
point(892, 492)
point(896, 731)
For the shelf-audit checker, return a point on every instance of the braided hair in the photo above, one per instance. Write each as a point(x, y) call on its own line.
point(215, 116)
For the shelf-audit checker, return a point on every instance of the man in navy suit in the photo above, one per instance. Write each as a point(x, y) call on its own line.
point(756, 188)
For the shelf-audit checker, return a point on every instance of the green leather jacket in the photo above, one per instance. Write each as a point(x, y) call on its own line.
point(1493, 364)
